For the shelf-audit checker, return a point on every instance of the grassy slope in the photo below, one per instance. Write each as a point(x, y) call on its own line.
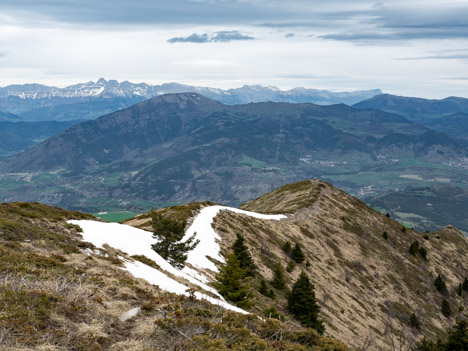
point(367, 286)
point(56, 296)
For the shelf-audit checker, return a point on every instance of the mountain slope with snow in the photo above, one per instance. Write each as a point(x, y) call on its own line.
point(89, 100)
point(134, 241)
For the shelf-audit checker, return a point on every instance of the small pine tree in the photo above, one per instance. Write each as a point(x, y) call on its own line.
point(287, 248)
point(231, 282)
point(279, 278)
point(385, 235)
point(242, 253)
point(303, 304)
point(465, 285)
point(446, 310)
point(291, 265)
point(414, 248)
point(460, 289)
point(263, 289)
point(169, 233)
point(423, 252)
point(297, 254)
point(440, 285)
point(414, 322)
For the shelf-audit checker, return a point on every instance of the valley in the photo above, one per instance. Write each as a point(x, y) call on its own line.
point(178, 148)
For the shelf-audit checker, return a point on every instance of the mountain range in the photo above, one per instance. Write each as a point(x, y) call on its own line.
point(184, 147)
point(449, 115)
point(35, 102)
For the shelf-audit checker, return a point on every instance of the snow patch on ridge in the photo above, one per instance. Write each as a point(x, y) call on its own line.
point(208, 246)
point(134, 241)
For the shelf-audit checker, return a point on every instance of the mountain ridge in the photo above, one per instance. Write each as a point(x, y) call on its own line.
point(184, 147)
point(92, 99)
point(416, 109)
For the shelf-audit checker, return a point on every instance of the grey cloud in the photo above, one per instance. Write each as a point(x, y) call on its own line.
point(358, 21)
point(438, 57)
point(289, 35)
point(217, 37)
point(193, 38)
point(406, 23)
point(146, 12)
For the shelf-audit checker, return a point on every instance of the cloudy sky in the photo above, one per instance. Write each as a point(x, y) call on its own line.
point(406, 47)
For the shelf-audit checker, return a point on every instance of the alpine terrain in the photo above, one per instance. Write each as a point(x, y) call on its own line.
point(70, 281)
point(36, 102)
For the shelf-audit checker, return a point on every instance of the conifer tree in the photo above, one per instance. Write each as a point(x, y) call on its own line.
point(385, 235)
point(287, 248)
point(242, 254)
point(303, 304)
point(423, 252)
point(465, 285)
point(414, 248)
point(279, 278)
point(231, 282)
point(446, 310)
point(297, 254)
point(460, 289)
point(440, 285)
point(414, 322)
point(263, 289)
point(458, 337)
point(291, 265)
point(169, 233)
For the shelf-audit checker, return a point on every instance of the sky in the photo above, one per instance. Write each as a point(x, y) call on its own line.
point(404, 47)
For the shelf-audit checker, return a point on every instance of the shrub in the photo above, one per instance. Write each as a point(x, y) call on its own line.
point(414, 248)
point(272, 312)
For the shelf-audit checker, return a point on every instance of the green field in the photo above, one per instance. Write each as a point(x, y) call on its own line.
point(116, 216)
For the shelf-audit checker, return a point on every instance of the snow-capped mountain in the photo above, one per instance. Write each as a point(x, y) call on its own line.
point(34, 102)
point(248, 93)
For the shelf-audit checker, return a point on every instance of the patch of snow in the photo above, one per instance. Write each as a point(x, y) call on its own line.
point(134, 241)
point(97, 92)
point(129, 314)
point(156, 277)
point(208, 245)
